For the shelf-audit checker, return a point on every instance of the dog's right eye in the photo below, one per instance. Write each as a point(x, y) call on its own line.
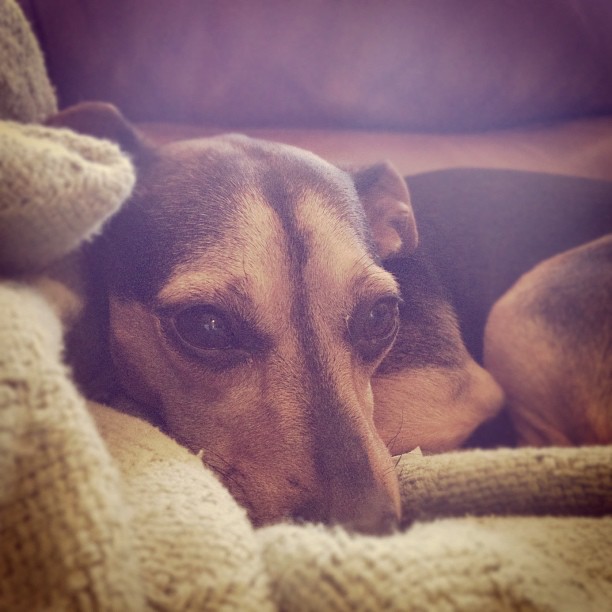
point(204, 328)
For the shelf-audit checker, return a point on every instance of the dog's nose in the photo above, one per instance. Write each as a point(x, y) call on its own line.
point(356, 485)
point(381, 524)
point(373, 512)
point(370, 510)
point(369, 517)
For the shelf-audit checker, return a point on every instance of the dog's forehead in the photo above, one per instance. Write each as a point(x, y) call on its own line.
point(209, 185)
point(198, 195)
point(219, 169)
point(202, 184)
point(292, 216)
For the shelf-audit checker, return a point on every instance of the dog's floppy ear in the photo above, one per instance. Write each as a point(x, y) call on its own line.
point(386, 201)
point(102, 120)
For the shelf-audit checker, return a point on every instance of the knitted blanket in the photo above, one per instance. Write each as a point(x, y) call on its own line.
point(100, 510)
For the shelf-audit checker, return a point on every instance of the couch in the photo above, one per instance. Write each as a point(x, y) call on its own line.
point(101, 510)
point(428, 85)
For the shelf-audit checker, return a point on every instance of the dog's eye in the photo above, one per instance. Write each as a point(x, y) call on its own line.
point(203, 327)
point(373, 326)
point(381, 320)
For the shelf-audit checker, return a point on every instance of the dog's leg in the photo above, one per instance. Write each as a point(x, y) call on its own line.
point(548, 341)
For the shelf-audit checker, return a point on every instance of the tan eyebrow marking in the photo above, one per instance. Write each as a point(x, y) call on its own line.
point(203, 286)
point(246, 270)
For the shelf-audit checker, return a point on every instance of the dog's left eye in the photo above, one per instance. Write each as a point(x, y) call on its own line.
point(203, 327)
point(381, 319)
point(372, 327)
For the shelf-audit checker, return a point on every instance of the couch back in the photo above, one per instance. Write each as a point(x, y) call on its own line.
point(402, 65)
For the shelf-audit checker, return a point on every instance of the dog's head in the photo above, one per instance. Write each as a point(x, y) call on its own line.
point(248, 309)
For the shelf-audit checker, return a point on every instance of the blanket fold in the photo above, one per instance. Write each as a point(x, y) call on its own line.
point(491, 563)
point(526, 481)
point(63, 543)
point(46, 176)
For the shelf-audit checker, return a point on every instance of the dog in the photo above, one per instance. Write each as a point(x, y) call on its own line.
point(245, 298)
point(548, 342)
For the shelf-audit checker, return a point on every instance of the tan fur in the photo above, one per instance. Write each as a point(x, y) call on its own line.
point(244, 256)
point(435, 409)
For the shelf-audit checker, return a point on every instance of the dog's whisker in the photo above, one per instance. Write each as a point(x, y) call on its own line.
point(359, 263)
point(397, 433)
point(229, 476)
point(205, 452)
point(226, 469)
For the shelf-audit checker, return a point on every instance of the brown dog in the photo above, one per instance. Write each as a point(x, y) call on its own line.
point(548, 341)
point(245, 305)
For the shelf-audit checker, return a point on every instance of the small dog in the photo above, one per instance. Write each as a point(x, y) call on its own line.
point(548, 341)
point(241, 298)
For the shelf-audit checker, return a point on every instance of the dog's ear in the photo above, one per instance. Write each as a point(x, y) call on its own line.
point(102, 120)
point(386, 201)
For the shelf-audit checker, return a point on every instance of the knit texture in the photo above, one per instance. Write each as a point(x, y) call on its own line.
point(65, 538)
point(56, 189)
point(526, 481)
point(100, 510)
point(196, 547)
point(26, 94)
point(470, 564)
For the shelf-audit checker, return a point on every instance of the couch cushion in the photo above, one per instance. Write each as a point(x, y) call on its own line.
point(419, 65)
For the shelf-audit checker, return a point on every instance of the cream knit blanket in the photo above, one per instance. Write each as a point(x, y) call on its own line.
point(99, 510)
